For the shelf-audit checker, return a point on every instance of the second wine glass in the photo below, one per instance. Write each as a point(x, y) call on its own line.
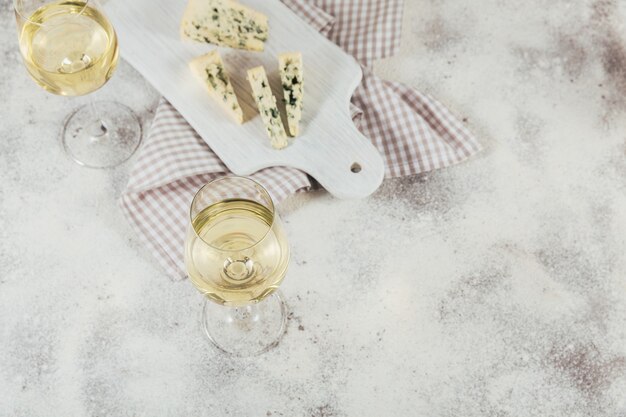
point(70, 48)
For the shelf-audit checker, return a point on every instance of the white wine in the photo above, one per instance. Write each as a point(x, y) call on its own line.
point(69, 47)
point(236, 252)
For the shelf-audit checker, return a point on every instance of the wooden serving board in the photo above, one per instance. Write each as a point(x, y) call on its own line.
point(329, 147)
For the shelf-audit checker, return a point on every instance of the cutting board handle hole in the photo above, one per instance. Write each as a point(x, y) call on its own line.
point(355, 168)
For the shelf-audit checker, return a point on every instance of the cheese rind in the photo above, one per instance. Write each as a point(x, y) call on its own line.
point(266, 103)
point(224, 23)
point(291, 75)
point(210, 69)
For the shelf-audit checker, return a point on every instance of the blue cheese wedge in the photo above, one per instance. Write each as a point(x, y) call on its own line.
point(291, 77)
point(224, 23)
point(266, 103)
point(210, 69)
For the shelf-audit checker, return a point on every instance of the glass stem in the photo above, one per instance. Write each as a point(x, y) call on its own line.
point(98, 130)
point(246, 313)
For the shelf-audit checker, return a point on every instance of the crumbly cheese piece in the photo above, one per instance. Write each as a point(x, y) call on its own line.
point(210, 69)
point(291, 76)
point(224, 23)
point(266, 103)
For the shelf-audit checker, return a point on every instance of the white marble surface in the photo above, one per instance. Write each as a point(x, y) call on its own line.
point(494, 288)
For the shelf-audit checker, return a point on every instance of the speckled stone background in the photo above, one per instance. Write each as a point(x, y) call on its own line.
point(493, 288)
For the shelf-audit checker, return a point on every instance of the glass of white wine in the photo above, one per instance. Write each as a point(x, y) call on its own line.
point(236, 254)
point(70, 49)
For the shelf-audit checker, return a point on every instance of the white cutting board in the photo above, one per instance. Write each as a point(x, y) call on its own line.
point(329, 145)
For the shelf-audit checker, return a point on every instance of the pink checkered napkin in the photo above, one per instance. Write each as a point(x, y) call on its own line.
point(412, 131)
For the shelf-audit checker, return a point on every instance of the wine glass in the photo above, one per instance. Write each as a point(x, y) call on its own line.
point(236, 254)
point(70, 49)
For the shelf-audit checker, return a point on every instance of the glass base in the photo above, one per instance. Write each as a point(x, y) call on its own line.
point(101, 135)
point(248, 330)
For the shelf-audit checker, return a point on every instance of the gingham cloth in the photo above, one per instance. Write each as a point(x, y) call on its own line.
point(412, 131)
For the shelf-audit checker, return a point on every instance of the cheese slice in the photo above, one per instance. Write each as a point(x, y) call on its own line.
point(210, 69)
point(266, 103)
point(291, 77)
point(224, 23)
